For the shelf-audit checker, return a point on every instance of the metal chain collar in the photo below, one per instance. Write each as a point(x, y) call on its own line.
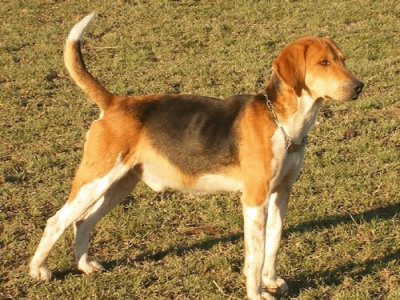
point(289, 144)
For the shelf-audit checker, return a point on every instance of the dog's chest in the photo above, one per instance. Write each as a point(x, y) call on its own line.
point(285, 165)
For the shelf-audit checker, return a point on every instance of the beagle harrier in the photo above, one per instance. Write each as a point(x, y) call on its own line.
point(249, 143)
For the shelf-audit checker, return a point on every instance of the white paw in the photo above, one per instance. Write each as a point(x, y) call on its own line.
point(91, 267)
point(267, 296)
point(40, 273)
point(277, 286)
point(261, 296)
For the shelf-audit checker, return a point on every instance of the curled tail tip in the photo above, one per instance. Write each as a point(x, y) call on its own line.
point(76, 32)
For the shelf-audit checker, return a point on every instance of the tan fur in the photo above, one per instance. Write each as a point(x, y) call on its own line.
point(255, 154)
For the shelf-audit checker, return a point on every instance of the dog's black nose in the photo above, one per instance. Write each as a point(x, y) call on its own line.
point(358, 87)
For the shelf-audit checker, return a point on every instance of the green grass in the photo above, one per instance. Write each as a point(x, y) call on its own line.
point(342, 235)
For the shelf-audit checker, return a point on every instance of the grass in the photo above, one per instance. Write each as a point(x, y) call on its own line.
point(342, 235)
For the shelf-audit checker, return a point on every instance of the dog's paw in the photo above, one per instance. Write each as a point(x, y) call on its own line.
point(276, 287)
point(40, 273)
point(267, 296)
point(261, 296)
point(91, 267)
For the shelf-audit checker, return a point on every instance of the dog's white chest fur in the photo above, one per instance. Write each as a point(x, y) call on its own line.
point(285, 166)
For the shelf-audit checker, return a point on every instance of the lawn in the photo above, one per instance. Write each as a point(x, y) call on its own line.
point(342, 234)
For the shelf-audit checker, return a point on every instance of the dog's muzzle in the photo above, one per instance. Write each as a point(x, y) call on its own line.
point(358, 87)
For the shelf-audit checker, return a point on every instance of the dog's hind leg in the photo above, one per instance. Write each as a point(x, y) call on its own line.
point(84, 226)
point(86, 195)
point(102, 165)
point(78, 204)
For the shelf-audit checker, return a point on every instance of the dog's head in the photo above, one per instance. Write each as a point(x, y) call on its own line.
point(317, 66)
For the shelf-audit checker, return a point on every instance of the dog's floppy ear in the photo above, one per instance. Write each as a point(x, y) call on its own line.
point(290, 66)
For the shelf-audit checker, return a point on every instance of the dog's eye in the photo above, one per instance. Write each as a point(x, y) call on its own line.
point(324, 62)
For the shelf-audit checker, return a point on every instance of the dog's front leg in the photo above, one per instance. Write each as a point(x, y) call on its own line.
point(277, 206)
point(254, 236)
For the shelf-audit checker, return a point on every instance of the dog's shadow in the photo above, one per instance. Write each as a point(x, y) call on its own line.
point(302, 281)
point(358, 269)
point(205, 244)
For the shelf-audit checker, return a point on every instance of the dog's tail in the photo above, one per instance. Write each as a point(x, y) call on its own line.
point(76, 67)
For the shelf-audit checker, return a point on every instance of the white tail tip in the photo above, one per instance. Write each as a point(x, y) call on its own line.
point(76, 32)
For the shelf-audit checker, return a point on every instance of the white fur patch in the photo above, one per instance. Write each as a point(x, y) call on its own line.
point(283, 162)
point(96, 188)
point(252, 214)
point(154, 176)
point(76, 32)
point(217, 183)
point(297, 127)
point(254, 235)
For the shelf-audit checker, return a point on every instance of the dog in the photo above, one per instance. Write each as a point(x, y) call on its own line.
point(250, 143)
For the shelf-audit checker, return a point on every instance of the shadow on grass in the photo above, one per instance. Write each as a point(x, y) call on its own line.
point(381, 213)
point(206, 244)
point(334, 277)
point(357, 270)
point(63, 274)
point(302, 281)
point(179, 250)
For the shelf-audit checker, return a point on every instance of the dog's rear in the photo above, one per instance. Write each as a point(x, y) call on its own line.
point(102, 179)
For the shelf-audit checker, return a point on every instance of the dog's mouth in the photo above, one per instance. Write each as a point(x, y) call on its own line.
point(352, 97)
point(350, 92)
point(356, 96)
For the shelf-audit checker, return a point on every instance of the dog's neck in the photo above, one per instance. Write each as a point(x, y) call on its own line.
point(297, 113)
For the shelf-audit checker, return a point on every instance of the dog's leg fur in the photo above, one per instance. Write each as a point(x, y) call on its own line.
point(84, 227)
point(277, 206)
point(88, 187)
point(254, 236)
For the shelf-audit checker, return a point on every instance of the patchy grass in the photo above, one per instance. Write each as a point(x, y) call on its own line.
point(342, 236)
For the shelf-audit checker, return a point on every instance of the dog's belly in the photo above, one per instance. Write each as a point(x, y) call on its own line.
point(159, 180)
point(217, 183)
